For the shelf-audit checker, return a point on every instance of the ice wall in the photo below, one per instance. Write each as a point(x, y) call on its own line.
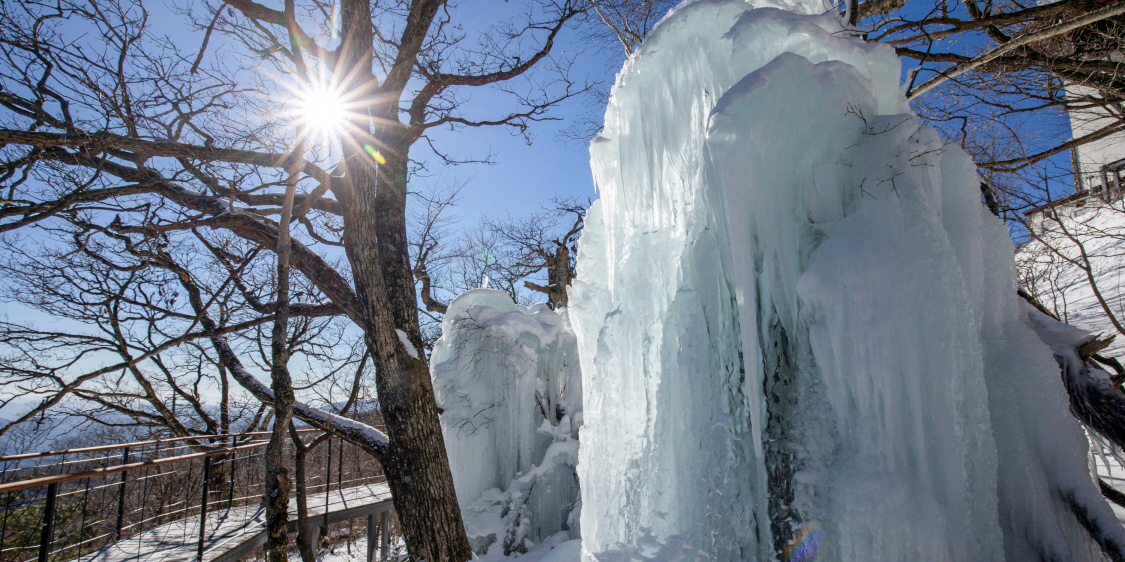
point(507, 380)
point(795, 317)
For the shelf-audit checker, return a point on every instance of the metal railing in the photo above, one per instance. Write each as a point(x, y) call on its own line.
point(59, 505)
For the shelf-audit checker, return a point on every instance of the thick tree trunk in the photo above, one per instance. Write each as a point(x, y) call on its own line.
point(559, 277)
point(415, 461)
point(373, 194)
point(277, 499)
point(278, 483)
point(418, 473)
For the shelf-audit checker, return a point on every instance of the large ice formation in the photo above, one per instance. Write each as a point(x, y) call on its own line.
point(507, 380)
point(794, 315)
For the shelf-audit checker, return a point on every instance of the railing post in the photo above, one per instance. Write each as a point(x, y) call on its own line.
point(327, 486)
point(203, 505)
point(7, 499)
point(48, 522)
point(82, 525)
point(230, 497)
point(121, 497)
point(372, 537)
point(385, 535)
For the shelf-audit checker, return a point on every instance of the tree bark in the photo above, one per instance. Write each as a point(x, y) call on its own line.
point(278, 483)
point(559, 275)
point(304, 534)
point(415, 460)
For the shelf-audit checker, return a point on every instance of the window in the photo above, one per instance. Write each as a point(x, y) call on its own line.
point(1114, 174)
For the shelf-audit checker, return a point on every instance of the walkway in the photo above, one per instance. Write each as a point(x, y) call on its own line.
point(232, 534)
point(149, 500)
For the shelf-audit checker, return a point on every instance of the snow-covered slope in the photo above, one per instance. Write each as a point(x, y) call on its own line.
point(1058, 266)
point(1076, 269)
point(793, 313)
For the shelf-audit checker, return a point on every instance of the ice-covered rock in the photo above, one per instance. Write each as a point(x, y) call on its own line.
point(507, 380)
point(793, 313)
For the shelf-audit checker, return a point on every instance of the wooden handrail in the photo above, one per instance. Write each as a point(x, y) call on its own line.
point(99, 448)
point(45, 480)
point(34, 482)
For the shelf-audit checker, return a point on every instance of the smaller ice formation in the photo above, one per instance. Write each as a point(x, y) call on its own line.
point(507, 380)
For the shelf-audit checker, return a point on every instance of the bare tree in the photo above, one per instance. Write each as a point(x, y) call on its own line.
point(545, 242)
point(628, 22)
point(152, 367)
point(1001, 78)
point(530, 258)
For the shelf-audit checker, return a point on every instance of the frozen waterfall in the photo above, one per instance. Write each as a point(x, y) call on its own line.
point(795, 319)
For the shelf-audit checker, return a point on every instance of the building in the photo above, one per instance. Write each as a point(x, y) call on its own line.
point(1099, 166)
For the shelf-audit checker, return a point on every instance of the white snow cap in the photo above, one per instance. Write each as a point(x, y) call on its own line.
point(405, 341)
point(804, 7)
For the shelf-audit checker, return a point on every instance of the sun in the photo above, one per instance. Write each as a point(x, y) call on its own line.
point(322, 110)
point(326, 117)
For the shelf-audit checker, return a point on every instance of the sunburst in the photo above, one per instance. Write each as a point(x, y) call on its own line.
point(322, 109)
point(321, 112)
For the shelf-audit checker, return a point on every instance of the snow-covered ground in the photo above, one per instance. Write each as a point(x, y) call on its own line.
point(1058, 266)
point(549, 551)
point(1076, 269)
point(339, 554)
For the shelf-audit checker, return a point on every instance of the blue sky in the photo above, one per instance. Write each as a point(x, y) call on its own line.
point(523, 176)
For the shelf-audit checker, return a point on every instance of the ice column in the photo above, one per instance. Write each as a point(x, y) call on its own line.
point(796, 319)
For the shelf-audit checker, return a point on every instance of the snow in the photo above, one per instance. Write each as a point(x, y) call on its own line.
point(1052, 267)
point(1110, 469)
point(569, 551)
point(357, 552)
point(506, 378)
point(556, 549)
point(792, 311)
point(405, 341)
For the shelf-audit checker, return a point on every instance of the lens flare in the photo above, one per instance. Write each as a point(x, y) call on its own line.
point(375, 154)
point(805, 544)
